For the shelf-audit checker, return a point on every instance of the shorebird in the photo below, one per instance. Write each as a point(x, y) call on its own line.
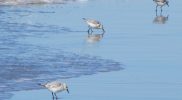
point(161, 3)
point(55, 87)
point(93, 24)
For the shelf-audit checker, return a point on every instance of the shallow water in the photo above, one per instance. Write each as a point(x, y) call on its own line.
point(24, 64)
point(49, 42)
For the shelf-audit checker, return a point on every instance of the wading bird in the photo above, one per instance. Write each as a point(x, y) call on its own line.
point(93, 24)
point(55, 87)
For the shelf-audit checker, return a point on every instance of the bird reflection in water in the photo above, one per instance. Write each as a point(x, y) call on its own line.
point(160, 19)
point(94, 38)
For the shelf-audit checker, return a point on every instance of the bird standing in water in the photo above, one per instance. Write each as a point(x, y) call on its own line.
point(161, 3)
point(55, 87)
point(93, 24)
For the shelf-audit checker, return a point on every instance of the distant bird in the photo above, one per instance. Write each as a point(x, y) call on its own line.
point(55, 87)
point(161, 3)
point(93, 24)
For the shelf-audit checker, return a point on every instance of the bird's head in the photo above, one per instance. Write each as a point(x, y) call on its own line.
point(102, 27)
point(167, 3)
point(65, 87)
point(41, 84)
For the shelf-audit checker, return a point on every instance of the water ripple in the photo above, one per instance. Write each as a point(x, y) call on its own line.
point(24, 65)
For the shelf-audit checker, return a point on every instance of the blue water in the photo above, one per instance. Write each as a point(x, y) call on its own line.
point(24, 64)
point(43, 42)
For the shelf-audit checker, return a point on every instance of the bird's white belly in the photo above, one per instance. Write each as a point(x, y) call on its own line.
point(93, 25)
point(160, 3)
point(55, 89)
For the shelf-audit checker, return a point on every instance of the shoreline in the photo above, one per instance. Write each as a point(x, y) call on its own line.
point(110, 85)
point(77, 86)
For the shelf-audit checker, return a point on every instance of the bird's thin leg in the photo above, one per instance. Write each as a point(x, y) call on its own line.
point(161, 8)
point(88, 31)
point(156, 12)
point(167, 17)
point(91, 29)
point(53, 95)
point(103, 30)
point(161, 13)
point(102, 34)
point(156, 8)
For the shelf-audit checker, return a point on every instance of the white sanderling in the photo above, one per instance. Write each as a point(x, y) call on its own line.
point(93, 24)
point(55, 87)
point(161, 3)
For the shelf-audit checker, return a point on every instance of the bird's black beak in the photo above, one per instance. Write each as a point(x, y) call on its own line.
point(167, 4)
point(67, 90)
point(41, 84)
